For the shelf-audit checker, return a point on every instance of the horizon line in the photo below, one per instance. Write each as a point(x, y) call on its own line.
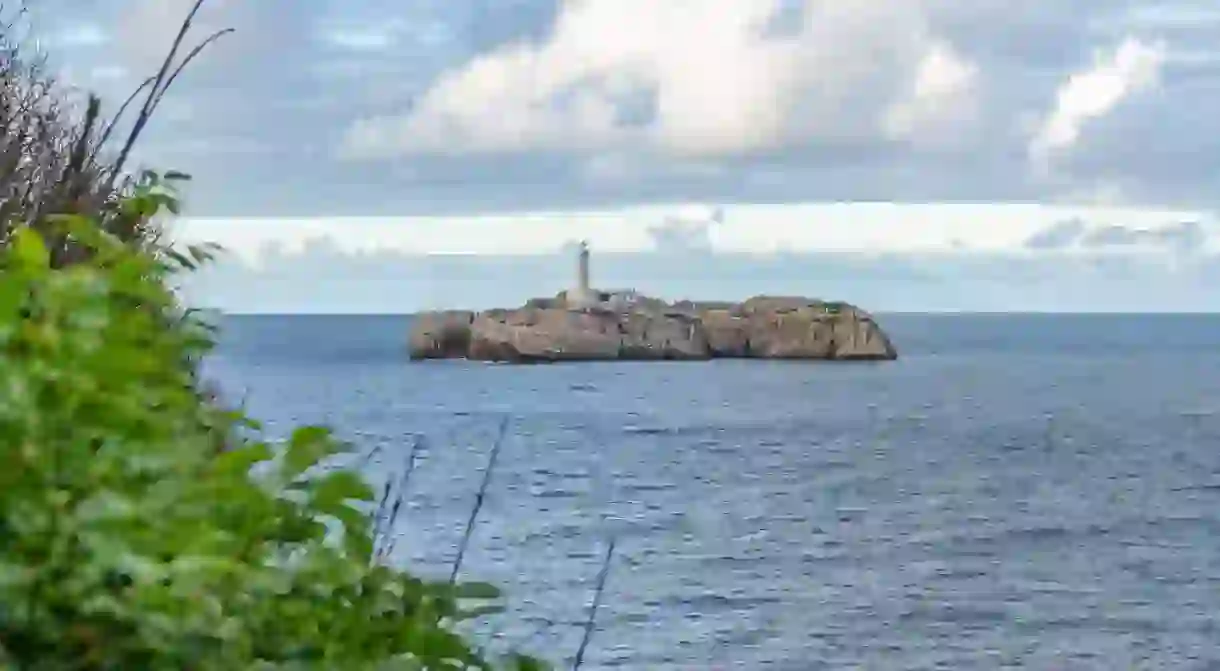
point(895, 313)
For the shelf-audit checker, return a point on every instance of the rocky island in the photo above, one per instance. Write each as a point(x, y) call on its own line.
point(589, 325)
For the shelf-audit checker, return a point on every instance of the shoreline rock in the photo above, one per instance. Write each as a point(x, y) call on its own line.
point(638, 328)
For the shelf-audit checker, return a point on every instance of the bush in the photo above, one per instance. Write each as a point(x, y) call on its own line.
point(143, 527)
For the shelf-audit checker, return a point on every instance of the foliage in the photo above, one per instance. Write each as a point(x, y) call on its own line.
point(57, 157)
point(144, 527)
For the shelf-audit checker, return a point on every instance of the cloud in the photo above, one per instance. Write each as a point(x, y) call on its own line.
point(324, 277)
point(1184, 237)
point(382, 35)
point(476, 106)
point(687, 231)
point(1098, 193)
point(939, 100)
point(78, 35)
point(1057, 236)
point(1133, 67)
point(719, 85)
point(864, 228)
point(887, 257)
point(261, 55)
point(360, 38)
point(146, 28)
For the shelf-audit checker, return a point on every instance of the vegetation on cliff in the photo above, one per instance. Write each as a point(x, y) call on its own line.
point(60, 155)
point(144, 527)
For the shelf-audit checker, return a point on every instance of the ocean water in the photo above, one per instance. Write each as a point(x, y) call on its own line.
point(1017, 491)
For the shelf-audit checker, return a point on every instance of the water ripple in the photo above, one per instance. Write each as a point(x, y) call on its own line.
point(990, 504)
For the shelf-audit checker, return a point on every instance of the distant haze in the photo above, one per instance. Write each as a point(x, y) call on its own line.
point(883, 256)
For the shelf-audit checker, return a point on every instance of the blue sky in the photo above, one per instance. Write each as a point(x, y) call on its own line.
point(903, 154)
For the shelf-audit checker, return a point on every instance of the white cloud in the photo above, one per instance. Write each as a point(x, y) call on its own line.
point(1132, 68)
point(381, 34)
point(858, 228)
point(939, 99)
point(108, 80)
point(885, 256)
point(719, 83)
point(363, 39)
point(1169, 15)
point(103, 73)
point(78, 35)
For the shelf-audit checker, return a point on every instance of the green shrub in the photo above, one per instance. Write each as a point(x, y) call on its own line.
point(144, 527)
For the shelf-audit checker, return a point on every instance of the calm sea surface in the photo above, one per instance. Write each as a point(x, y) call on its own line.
point(1037, 492)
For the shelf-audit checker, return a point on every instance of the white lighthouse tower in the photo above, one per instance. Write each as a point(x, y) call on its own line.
point(582, 269)
point(582, 296)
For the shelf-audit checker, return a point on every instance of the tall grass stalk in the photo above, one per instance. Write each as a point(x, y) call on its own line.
point(591, 623)
point(479, 499)
point(55, 156)
point(385, 523)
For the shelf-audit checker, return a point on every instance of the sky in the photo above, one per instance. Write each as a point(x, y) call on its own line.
point(905, 155)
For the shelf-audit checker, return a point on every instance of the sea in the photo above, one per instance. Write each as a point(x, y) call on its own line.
point(1015, 492)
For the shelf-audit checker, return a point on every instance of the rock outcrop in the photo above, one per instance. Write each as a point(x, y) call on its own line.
point(547, 330)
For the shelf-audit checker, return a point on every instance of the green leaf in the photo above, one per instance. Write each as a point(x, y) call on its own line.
point(479, 612)
point(338, 488)
point(307, 447)
point(144, 527)
point(202, 254)
point(30, 250)
point(524, 663)
point(180, 260)
point(241, 459)
point(476, 590)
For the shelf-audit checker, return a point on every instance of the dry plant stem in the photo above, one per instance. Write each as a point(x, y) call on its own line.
point(408, 469)
point(76, 162)
point(114, 120)
point(478, 501)
point(591, 623)
point(368, 456)
point(387, 520)
point(161, 83)
point(380, 514)
point(56, 160)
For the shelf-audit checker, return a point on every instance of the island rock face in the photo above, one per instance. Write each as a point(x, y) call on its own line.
point(637, 328)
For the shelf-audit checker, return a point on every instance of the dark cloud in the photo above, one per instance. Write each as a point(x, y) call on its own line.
point(687, 234)
point(1184, 237)
point(275, 85)
point(1163, 147)
point(1057, 236)
point(787, 20)
point(1115, 236)
point(1040, 37)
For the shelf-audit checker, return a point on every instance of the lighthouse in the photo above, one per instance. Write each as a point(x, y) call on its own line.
point(582, 269)
point(582, 295)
